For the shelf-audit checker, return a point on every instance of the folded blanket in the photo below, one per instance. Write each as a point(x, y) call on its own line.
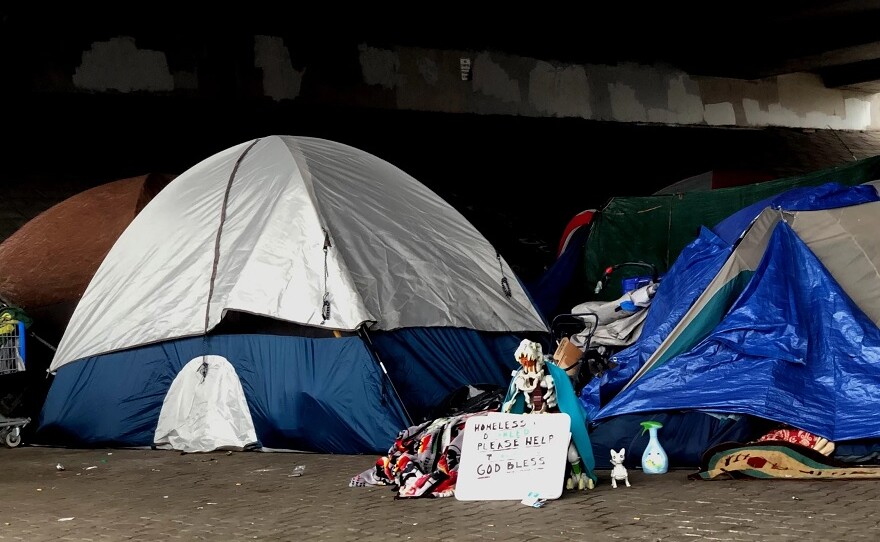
point(775, 459)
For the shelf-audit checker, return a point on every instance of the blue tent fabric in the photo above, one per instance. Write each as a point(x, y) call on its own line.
point(548, 290)
point(326, 395)
point(695, 267)
point(113, 401)
point(333, 398)
point(426, 364)
point(826, 196)
point(685, 436)
point(793, 348)
point(858, 451)
point(568, 403)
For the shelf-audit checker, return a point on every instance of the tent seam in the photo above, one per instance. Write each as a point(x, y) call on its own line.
point(223, 209)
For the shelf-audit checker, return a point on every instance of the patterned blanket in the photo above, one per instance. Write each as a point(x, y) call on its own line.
point(423, 461)
point(775, 459)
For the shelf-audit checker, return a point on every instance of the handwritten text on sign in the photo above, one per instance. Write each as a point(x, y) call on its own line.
point(504, 456)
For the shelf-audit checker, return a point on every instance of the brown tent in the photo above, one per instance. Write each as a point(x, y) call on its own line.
point(46, 265)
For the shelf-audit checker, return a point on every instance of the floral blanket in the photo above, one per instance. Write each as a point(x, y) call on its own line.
point(423, 461)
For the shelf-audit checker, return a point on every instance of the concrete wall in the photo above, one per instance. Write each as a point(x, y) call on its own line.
point(411, 78)
point(503, 84)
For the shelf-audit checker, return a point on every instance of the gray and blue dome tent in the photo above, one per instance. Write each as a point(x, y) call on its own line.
point(290, 293)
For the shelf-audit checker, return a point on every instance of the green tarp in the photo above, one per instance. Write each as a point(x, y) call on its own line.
point(654, 229)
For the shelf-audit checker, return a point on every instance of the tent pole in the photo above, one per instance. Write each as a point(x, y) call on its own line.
point(362, 331)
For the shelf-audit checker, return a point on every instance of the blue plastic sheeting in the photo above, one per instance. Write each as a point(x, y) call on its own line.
point(692, 271)
point(793, 348)
point(426, 364)
point(547, 292)
point(325, 395)
point(826, 196)
point(685, 436)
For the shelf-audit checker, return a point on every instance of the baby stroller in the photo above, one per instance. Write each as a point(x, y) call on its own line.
point(12, 360)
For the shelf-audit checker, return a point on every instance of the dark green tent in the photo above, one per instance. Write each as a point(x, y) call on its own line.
point(654, 229)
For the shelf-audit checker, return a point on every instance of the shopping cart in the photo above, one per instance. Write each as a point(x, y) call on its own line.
point(12, 360)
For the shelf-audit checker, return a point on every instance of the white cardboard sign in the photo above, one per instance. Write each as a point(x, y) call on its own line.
point(506, 456)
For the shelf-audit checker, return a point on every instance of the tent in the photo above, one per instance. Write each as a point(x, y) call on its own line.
point(285, 293)
point(779, 325)
point(46, 264)
point(655, 229)
point(550, 287)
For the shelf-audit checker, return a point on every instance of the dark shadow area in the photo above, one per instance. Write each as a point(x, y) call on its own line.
point(517, 179)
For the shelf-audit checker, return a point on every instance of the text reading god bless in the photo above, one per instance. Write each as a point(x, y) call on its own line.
point(500, 436)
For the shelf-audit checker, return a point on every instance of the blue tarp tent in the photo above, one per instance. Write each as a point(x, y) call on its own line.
point(783, 329)
point(793, 348)
point(826, 196)
point(688, 277)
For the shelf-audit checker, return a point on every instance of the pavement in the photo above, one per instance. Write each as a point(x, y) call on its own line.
point(105, 494)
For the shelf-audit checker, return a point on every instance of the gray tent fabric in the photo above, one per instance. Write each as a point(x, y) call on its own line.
point(301, 230)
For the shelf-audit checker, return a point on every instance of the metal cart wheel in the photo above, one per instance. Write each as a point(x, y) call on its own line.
point(12, 438)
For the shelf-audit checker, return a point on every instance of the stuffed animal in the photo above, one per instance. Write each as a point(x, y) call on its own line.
point(535, 383)
point(619, 471)
point(577, 477)
point(532, 380)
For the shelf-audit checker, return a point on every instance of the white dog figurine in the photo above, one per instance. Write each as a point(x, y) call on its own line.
point(619, 471)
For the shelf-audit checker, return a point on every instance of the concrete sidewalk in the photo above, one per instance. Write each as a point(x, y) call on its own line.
point(162, 495)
